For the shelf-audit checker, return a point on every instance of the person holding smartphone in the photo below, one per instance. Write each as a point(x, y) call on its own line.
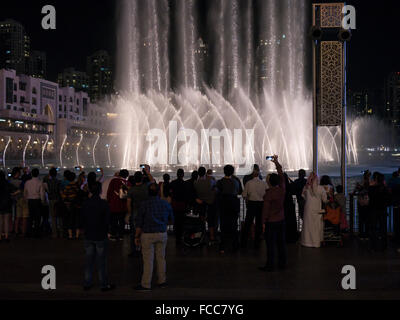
point(273, 218)
point(146, 172)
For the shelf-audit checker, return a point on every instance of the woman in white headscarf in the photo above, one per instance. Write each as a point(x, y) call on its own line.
point(313, 224)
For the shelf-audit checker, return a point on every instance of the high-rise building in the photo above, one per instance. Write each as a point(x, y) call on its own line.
point(99, 71)
point(264, 65)
point(73, 79)
point(358, 104)
point(392, 100)
point(367, 102)
point(14, 46)
point(37, 64)
point(27, 48)
point(201, 54)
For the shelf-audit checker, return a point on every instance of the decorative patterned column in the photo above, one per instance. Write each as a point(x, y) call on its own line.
point(329, 68)
point(331, 84)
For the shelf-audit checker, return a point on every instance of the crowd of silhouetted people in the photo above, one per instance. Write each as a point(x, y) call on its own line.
point(99, 209)
point(374, 195)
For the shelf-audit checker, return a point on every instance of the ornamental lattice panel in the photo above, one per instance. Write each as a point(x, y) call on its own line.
point(331, 15)
point(331, 84)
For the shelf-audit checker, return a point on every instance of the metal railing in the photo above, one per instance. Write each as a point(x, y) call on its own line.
point(242, 214)
point(353, 215)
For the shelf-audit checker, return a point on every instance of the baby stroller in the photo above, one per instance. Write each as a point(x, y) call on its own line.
point(332, 225)
point(194, 230)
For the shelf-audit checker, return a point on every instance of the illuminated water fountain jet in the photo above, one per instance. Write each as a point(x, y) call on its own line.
point(254, 103)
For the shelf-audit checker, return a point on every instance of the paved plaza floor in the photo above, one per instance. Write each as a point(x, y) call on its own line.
point(202, 273)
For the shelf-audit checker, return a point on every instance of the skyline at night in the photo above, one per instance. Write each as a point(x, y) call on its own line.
point(95, 27)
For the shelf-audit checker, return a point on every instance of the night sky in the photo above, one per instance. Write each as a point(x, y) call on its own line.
point(84, 26)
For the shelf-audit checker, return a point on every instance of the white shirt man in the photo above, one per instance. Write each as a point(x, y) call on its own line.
point(34, 189)
point(34, 193)
point(254, 192)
